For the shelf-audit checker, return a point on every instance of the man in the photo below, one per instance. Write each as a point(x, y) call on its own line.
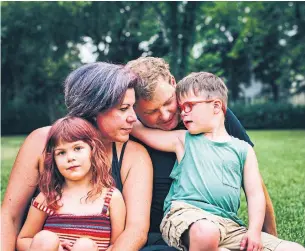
point(156, 107)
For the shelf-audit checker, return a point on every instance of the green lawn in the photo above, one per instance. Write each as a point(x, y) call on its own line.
point(281, 156)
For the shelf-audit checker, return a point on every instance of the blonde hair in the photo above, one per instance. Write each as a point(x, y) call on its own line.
point(203, 83)
point(149, 69)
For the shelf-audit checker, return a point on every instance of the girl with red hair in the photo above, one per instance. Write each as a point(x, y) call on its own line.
point(78, 207)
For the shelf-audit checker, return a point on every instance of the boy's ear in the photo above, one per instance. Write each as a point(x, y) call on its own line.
point(173, 81)
point(217, 106)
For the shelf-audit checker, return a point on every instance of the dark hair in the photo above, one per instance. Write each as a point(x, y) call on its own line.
point(70, 129)
point(96, 87)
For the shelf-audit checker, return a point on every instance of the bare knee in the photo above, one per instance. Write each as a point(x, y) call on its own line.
point(204, 234)
point(288, 246)
point(45, 240)
point(84, 244)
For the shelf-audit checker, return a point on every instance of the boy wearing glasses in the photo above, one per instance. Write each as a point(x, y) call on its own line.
point(200, 210)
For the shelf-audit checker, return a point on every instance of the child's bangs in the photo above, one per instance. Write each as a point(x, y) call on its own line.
point(67, 136)
point(70, 130)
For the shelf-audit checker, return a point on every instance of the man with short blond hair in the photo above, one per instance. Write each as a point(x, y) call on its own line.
point(156, 107)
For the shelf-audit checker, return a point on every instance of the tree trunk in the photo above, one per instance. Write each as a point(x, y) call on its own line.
point(174, 42)
point(188, 33)
point(275, 91)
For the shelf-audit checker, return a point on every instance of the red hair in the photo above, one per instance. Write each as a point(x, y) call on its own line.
point(70, 129)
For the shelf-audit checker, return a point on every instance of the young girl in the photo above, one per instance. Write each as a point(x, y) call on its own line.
point(77, 207)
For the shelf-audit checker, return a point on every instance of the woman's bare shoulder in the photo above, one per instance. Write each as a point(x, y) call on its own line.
point(135, 148)
point(136, 154)
point(37, 137)
point(40, 133)
point(34, 143)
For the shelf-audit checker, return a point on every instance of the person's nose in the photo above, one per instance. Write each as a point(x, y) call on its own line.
point(132, 117)
point(182, 113)
point(70, 156)
point(164, 114)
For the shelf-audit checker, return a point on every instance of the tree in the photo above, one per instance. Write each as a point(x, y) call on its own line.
point(177, 22)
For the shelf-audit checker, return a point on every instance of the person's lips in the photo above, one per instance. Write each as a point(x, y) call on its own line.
point(187, 123)
point(127, 130)
point(71, 168)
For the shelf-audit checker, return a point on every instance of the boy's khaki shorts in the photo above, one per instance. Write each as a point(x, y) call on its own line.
point(182, 215)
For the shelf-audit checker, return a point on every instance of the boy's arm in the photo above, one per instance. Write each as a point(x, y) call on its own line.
point(33, 224)
point(166, 141)
point(117, 215)
point(235, 128)
point(255, 199)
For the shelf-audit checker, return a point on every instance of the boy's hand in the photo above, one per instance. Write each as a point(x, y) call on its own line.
point(251, 241)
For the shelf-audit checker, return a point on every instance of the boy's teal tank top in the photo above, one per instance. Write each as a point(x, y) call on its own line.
point(209, 176)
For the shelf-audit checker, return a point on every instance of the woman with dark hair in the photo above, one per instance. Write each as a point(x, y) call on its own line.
point(103, 94)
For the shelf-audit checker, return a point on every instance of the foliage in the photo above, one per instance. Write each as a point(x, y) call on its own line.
point(254, 38)
point(270, 115)
point(42, 41)
point(35, 57)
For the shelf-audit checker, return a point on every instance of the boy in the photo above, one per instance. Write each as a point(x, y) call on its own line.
point(211, 167)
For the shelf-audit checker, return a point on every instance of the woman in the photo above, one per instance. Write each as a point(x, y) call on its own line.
point(103, 94)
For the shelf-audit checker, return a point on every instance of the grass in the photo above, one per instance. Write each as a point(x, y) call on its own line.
point(281, 157)
point(9, 150)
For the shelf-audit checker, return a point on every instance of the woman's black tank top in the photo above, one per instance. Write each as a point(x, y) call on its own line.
point(116, 166)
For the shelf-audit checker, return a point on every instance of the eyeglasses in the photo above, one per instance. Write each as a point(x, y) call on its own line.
point(188, 106)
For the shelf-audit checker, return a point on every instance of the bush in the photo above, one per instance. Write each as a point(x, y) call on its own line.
point(23, 119)
point(270, 116)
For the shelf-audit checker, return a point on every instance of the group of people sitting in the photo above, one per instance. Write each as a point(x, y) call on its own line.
point(85, 184)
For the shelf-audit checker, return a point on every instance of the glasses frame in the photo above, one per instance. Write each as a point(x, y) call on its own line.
point(190, 104)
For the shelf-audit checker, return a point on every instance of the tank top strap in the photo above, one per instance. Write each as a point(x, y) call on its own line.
point(43, 208)
point(107, 200)
point(122, 154)
point(116, 166)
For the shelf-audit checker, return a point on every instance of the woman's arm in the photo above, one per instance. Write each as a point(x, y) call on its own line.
point(137, 177)
point(33, 224)
point(117, 215)
point(21, 186)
